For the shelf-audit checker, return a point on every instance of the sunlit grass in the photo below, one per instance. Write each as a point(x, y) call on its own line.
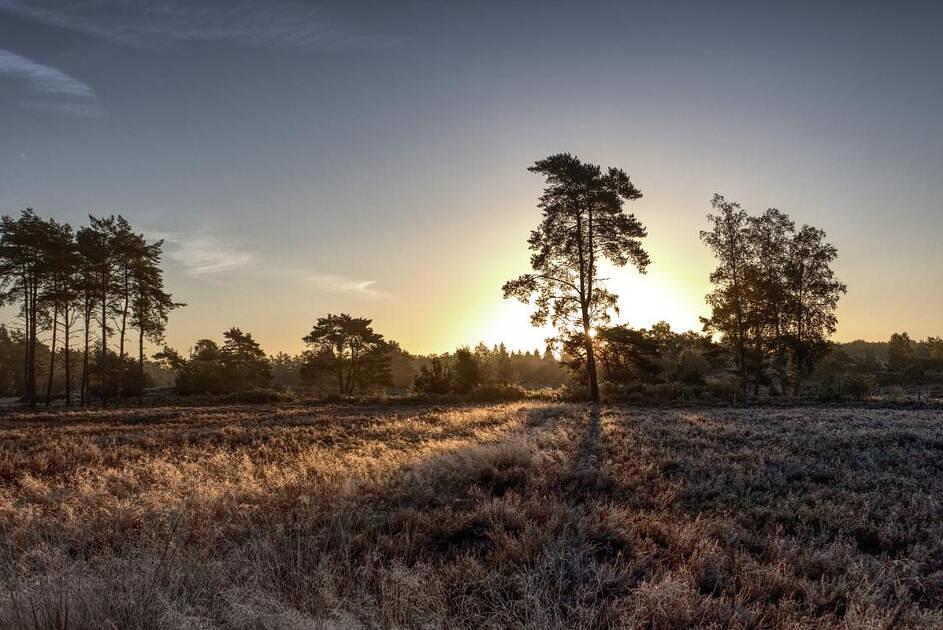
point(526, 514)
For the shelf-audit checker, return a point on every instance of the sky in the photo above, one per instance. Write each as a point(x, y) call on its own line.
point(304, 158)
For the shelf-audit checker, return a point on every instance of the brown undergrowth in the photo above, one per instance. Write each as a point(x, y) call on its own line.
point(517, 515)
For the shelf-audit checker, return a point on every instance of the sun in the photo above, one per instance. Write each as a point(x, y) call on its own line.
point(643, 301)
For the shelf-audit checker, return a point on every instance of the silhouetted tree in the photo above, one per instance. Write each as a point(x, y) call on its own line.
point(466, 372)
point(900, 351)
point(203, 372)
point(126, 253)
point(729, 300)
point(150, 304)
point(59, 278)
point(775, 293)
point(583, 224)
point(244, 362)
point(628, 355)
point(12, 351)
point(58, 294)
point(935, 350)
point(348, 350)
point(504, 369)
point(769, 239)
point(485, 359)
point(238, 365)
point(286, 369)
point(435, 378)
point(91, 246)
point(812, 294)
point(24, 269)
point(102, 239)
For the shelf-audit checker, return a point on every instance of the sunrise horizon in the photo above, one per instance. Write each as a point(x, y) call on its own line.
point(300, 162)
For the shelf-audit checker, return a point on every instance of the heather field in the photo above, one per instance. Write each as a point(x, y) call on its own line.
point(532, 514)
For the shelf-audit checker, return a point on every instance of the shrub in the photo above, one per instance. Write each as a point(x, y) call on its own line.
point(859, 386)
point(258, 397)
point(499, 393)
point(728, 388)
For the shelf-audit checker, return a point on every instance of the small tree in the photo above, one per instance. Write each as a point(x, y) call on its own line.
point(467, 374)
point(900, 351)
point(584, 223)
point(244, 362)
point(238, 365)
point(435, 378)
point(729, 301)
point(347, 350)
point(812, 294)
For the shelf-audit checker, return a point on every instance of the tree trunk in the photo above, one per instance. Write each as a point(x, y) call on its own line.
point(52, 355)
point(799, 353)
point(83, 395)
point(124, 326)
point(67, 331)
point(591, 370)
point(26, 330)
point(141, 364)
point(32, 342)
point(104, 354)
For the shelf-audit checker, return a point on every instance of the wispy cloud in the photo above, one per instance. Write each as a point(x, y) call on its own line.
point(52, 89)
point(210, 256)
point(204, 254)
point(340, 284)
point(43, 78)
point(272, 23)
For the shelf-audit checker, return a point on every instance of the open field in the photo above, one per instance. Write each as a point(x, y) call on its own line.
point(526, 514)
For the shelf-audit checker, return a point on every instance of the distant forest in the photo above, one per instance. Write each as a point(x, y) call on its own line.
point(89, 300)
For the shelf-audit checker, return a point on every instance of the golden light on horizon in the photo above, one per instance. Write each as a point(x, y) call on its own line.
point(643, 300)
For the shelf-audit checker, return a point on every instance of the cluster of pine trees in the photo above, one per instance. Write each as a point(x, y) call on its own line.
point(238, 365)
point(85, 291)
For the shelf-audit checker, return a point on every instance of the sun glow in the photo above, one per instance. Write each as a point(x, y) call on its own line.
point(643, 301)
point(648, 299)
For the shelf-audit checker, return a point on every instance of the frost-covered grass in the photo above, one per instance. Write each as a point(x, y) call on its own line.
point(525, 514)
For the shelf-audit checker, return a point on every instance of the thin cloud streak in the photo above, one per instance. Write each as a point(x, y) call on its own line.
point(43, 78)
point(340, 284)
point(245, 22)
point(206, 255)
point(55, 90)
point(69, 108)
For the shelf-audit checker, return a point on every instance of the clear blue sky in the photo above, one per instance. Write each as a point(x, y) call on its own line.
point(303, 158)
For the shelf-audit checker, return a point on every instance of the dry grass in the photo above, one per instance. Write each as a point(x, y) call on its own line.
point(519, 515)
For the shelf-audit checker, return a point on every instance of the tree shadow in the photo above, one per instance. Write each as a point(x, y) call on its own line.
point(587, 454)
point(584, 480)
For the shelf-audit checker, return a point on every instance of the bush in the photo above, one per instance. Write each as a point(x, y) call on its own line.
point(258, 397)
point(647, 393)
point(859, 386)
point(838, 387)
point(498, 393)
point(728, 388)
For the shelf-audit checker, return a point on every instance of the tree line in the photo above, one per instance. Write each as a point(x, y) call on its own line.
point(772, 306)
point(345, 357)
point(88, 291)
